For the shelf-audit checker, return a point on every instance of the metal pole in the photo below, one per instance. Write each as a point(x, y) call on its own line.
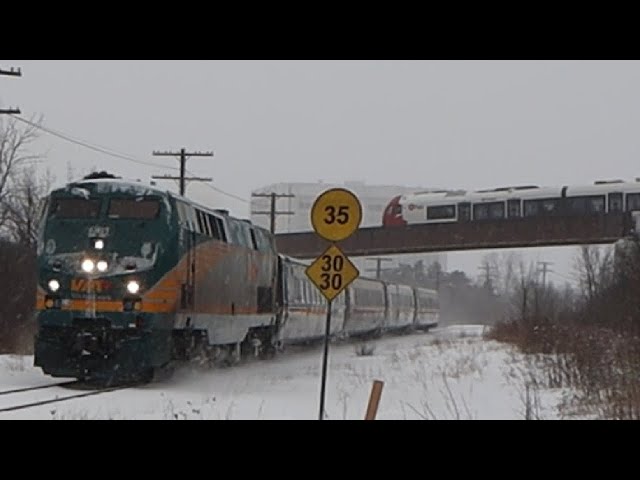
point(324, 360)
point(273, 213)
point(183, 161)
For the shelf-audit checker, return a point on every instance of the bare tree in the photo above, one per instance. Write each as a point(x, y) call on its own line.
point(524, 294)
point(15, 140)
point(25, 203)
point(595, 270)
point(503, 268)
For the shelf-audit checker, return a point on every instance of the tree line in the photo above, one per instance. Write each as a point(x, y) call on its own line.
point(22, 187)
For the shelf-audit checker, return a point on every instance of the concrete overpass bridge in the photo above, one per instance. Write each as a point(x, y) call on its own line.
point(475, 235)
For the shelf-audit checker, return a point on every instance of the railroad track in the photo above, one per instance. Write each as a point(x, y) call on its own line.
point(39, 387)
point(22, 406)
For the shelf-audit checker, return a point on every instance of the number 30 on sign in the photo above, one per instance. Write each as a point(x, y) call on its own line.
point(332, 272)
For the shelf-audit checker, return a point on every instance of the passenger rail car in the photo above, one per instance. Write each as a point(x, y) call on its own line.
point(512, 202)
point(132, 278)
point(367, 307)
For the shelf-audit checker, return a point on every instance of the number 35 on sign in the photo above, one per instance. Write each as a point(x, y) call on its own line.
point(336, 214)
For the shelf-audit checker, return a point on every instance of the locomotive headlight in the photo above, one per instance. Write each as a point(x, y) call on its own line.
point(98, 244)
point(102, 266)
point(54, 285)
point(87, 265)
point(133, 287)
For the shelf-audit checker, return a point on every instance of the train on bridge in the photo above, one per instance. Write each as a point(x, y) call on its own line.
point(132, 278)
point(441, 206)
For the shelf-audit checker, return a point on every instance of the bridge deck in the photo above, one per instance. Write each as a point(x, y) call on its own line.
point(512, 233)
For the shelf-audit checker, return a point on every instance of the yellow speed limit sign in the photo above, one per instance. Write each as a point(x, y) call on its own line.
point(336, 214)
point(332, 272)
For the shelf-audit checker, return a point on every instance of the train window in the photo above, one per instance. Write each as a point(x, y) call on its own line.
point(441, 213)
point(530, 208)
point(247, 238)
point(134, 208)
point(395, 209)
point(633, 201)
point(615, 202)
point(480, 212)
point(185, 214)
point(236, 235)
point(591, 204)
point(262, 240)
point(513, 206)
point(547, 206)
point(203, 226)
point(370, 297)
point(182, 216)
point(496, 210)
point(192, 221)
point(217, 228)
point(596, 204)
point(205, 222)
point(200, 228)
point(75, 208)
point(254, 240)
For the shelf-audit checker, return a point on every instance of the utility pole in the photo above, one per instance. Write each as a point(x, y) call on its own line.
point(544, 272)
point(378, 268)
point(272, 210)
point(11, 73)
point(183, 154)
point(488, 284)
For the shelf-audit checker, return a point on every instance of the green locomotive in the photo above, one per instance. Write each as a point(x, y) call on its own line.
point(131, 277)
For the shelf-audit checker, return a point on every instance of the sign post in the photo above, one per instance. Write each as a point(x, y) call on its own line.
point(336, 215)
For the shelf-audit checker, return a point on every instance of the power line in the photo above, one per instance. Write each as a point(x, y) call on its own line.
point(113, 153)
point(223, 192)
point(562, 276)
point(94, 147)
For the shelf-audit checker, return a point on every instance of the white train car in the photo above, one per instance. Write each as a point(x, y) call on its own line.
point(304, 309)
point(401, 306)
point(512, 202)
point(427, 308)
point(366, 307)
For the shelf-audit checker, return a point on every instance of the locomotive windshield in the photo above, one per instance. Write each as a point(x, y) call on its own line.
point(75, 208)
point(133, 208)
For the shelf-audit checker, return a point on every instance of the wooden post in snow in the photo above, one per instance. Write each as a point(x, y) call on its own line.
point(374, 400)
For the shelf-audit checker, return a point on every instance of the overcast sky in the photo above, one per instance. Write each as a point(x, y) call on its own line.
point(429, 123)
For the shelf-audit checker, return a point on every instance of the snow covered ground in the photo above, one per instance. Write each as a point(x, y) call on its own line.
point(449, 373)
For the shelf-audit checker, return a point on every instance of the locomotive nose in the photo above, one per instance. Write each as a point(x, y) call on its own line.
point(393, 213)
